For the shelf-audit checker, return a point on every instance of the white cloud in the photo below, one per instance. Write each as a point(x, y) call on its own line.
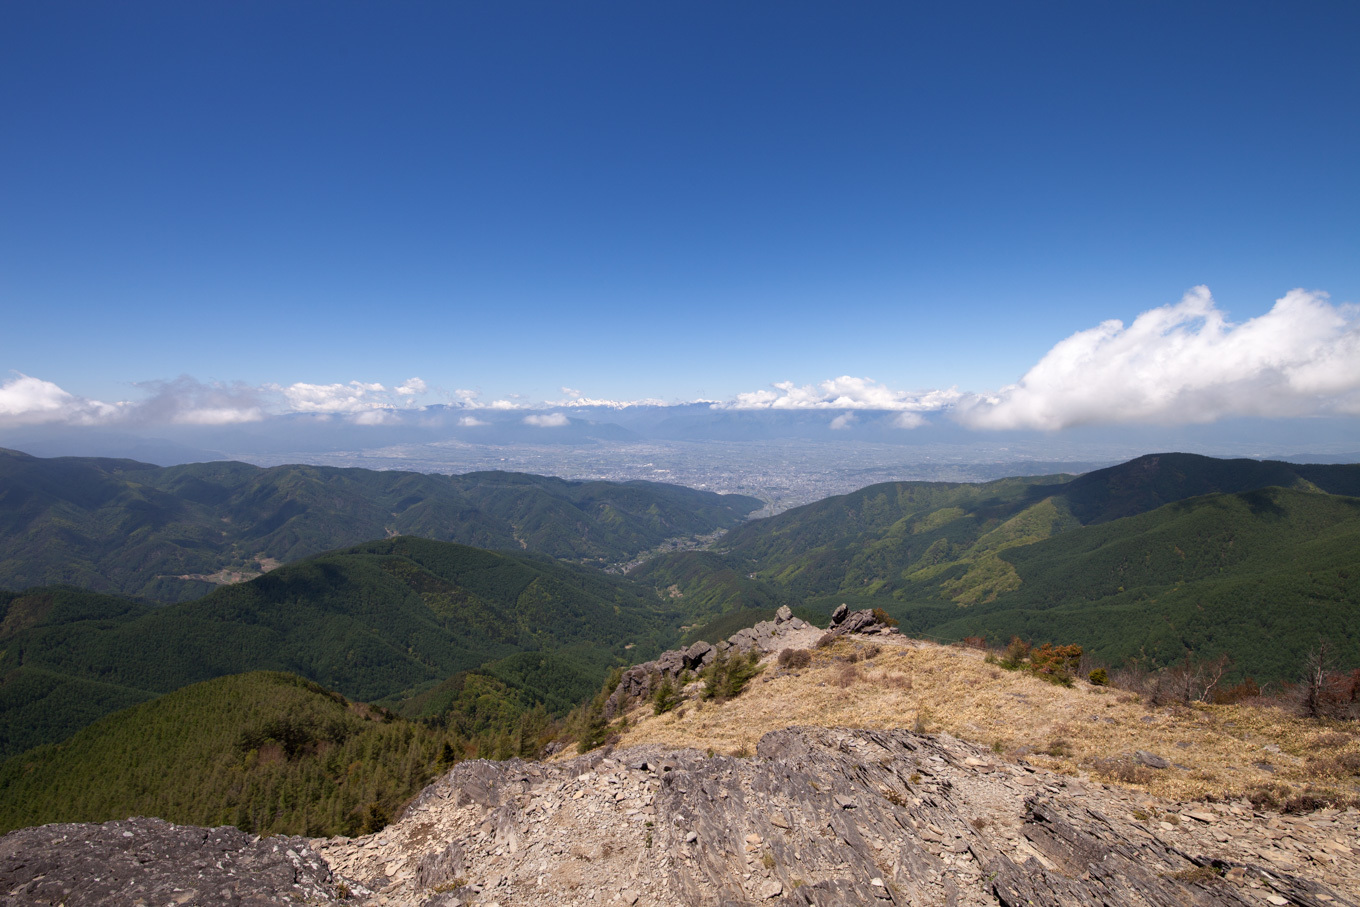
point(331, 398)
point(843, 421)
point(32, 401)
point(845, 392)
point(1180, 363)
point(546, 420)
point(374, 417)
point(353, 397)
point(183, 401)
point(570, 391)
point(908, 420)
point(218, 416)
point(1186, 363)
point(466, 397)
point(187, 401)
point(596, 402)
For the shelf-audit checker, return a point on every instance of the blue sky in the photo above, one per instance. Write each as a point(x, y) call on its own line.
point(672, 201)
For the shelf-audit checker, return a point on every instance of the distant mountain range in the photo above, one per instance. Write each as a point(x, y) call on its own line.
point(160, 533)
point(427, 432)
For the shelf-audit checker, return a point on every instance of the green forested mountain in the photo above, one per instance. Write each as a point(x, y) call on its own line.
point(159, 533)
point(864, 543)
point(1259, 575)
point(861, 542)
point(370, 621)
point(268, 752)
point(1163, 556)
point(704, 583)
point(1011, 557)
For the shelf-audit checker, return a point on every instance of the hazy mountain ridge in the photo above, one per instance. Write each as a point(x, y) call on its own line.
point(129, 527)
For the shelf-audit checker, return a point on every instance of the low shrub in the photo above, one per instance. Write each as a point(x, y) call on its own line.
point(846, 675)
point(1281, 798)
point(1017, 651)
point(665, 698)
point(728, 675)
point(1247, 689)
point(794, 659)
point(1334, 765)
point(1056, 664)
point(1124, 769)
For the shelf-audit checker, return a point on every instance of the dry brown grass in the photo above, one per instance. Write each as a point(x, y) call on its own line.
point(1217, 751)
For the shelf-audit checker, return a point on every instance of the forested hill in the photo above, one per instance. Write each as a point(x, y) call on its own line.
point(864, 541)
point(372, 621)
point(162, 533)
point(267, 752)
point(1258, 575)
point(1164, 554)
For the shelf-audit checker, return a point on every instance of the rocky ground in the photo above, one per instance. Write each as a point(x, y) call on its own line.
point(146, 862)
point(834, 816)
point(815, 815)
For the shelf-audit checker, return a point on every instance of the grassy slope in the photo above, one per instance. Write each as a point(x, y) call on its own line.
point(266, 752)
point(1260, 575)
point(128, 527)
point(1218, 750)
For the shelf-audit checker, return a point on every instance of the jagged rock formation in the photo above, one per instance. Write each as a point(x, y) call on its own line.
point(819, 816)
point(148, 861)
point(784, 632)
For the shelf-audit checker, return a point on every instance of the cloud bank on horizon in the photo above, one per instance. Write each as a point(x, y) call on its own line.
point(1185, 363)
point(1182, 363)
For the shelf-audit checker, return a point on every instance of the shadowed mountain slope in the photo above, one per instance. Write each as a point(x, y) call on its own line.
point(172, 534)
point(370, 621)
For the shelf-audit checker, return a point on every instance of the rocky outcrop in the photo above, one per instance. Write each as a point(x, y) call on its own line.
point(844, 622)
point(148, 861)
point(766, 637)
point(819, 816)
point(825, 817)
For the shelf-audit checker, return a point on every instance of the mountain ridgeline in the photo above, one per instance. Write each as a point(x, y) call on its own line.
point(1157, 557)
point(374, 621)
point(465, 651)
point(174, 533)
